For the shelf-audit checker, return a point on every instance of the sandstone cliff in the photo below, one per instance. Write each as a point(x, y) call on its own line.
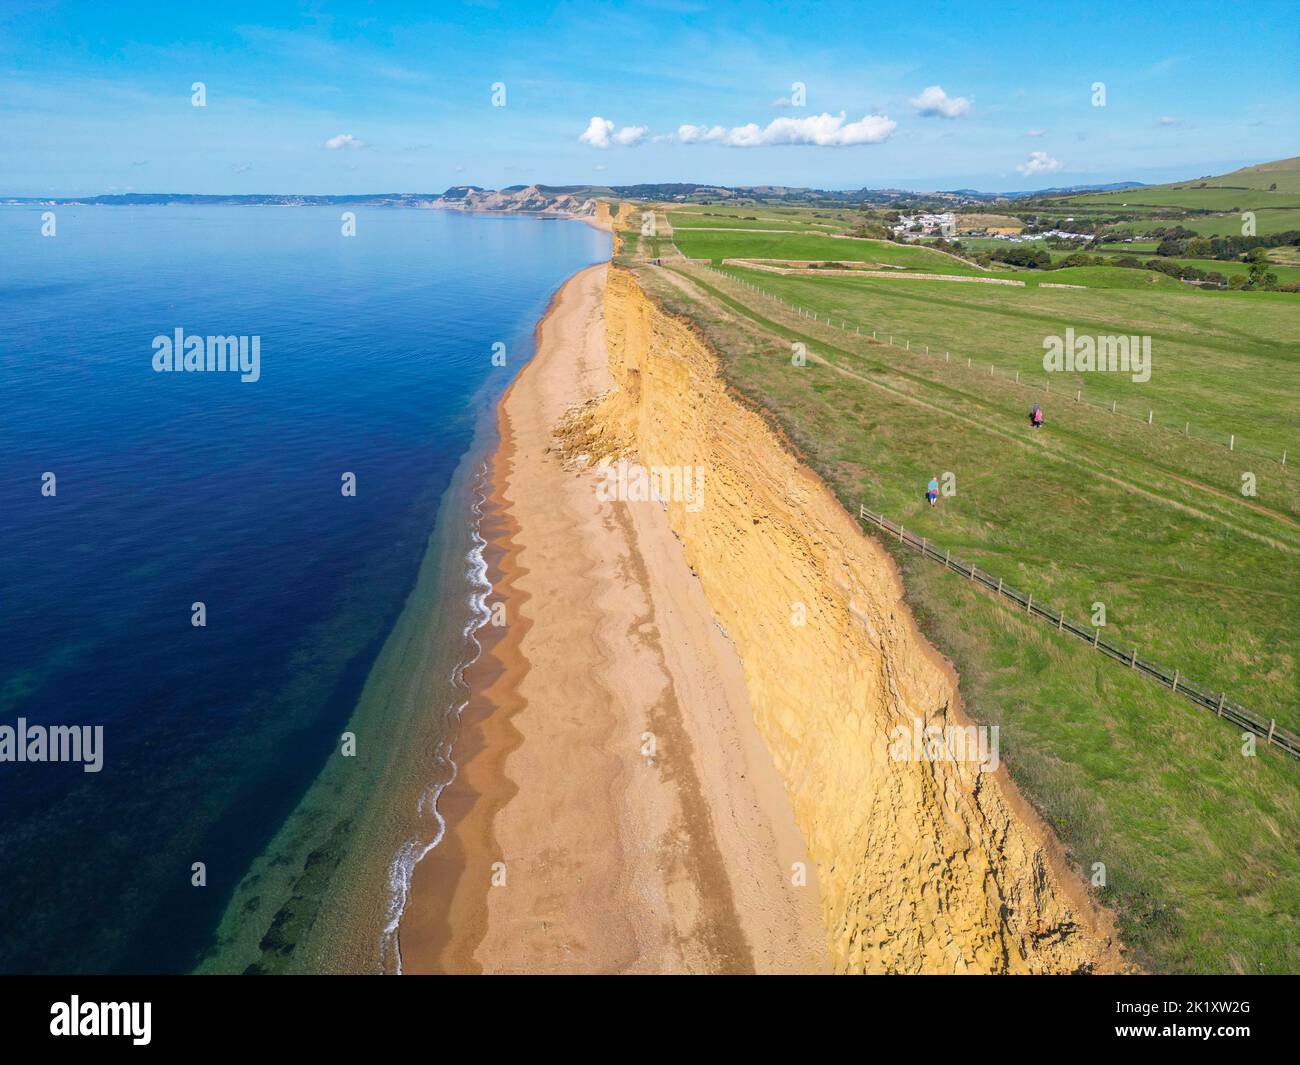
point(527, 200)
point(924, 866)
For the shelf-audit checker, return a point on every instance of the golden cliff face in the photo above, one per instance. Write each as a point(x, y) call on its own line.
point(924, 865)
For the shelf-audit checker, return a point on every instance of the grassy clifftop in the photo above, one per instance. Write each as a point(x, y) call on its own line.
point(1196, 839)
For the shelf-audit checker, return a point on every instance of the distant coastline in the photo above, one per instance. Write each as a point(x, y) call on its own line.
point(560, 201)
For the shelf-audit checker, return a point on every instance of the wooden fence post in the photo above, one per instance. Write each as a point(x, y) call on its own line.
point(1232, 442)
point(1175, 683)
point(1096, 637)
point(1029, 604)
point(1133, 662)
point(1222, 696)
point(1272, 724)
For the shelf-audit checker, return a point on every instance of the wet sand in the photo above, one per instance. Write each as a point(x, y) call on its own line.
point(572, 845)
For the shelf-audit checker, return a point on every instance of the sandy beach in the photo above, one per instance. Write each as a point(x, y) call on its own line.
point(616, 809)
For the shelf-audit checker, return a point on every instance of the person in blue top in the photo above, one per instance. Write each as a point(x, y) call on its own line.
point(932, 491)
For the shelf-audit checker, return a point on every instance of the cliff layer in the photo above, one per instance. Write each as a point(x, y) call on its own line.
point(924, 865)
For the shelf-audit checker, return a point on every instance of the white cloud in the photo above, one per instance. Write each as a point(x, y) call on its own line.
point(344, 140)
point(696, 134)
point(1166, 120)
point(937, 103)
point(600, 134)
point(1034, 132)
point(823, 131)
point(782, 102)
point(629, 135)
point(1039, 163)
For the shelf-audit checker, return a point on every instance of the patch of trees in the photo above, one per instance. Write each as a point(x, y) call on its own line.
point(1029, 258)
point(1192, 246)
point(874, 230)
point(1079, 225)
point(1017, 256)
point(1174, 232)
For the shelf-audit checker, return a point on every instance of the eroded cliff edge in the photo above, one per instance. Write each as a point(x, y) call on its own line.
point(924, 866)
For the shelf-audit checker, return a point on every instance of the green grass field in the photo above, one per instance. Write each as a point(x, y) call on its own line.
point(1188, 196)
point(713, 218)
point(812, 247)
point(1223, 361)
point(1198, 841)
point(1271, 190)
point(1284, 175)
point(1221, 225)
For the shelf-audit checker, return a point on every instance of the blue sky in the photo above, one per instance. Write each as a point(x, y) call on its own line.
point(96, 97)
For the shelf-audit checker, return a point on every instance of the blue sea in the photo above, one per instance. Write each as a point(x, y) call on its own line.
point(229, 827)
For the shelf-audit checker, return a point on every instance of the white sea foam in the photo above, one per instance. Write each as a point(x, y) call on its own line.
point(409, 855)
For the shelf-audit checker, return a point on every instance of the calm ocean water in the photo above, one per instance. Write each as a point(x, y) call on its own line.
point(221, 743)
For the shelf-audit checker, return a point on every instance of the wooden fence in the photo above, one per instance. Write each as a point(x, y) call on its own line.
point(1216, 702)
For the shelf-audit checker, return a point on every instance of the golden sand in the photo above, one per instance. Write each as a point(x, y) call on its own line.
point(569, 849)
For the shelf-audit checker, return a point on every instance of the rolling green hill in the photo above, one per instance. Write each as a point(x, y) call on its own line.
point(1271, 190)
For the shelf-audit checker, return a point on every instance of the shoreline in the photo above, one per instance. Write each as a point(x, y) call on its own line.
point(567, 849)
point(441, 939)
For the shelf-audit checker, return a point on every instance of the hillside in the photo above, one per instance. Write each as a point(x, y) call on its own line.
point(1271, 186)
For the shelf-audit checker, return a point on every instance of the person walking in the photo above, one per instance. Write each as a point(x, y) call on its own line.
point(932, 491)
